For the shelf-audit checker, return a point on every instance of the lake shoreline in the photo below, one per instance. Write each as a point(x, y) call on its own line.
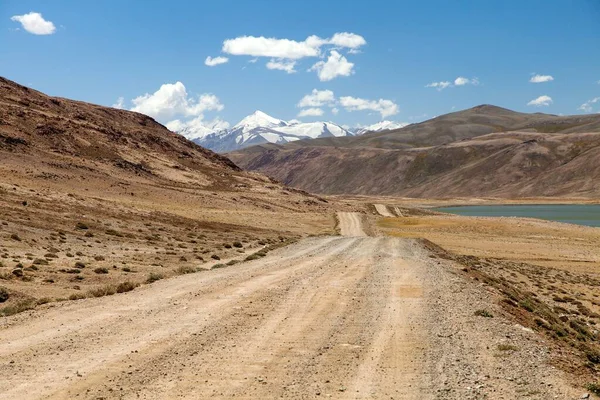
point(576, 214)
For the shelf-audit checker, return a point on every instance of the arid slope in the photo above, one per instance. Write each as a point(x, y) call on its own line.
point(484, 151)
point(92, 197)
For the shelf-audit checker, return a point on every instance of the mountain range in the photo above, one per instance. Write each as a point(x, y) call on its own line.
point(482, 151)
point(261, 128)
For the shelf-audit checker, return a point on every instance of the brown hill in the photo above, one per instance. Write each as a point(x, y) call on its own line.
point(483, 151)
point(93, 196)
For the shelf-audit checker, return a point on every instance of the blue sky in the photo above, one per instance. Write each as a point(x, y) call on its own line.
point(103, 50)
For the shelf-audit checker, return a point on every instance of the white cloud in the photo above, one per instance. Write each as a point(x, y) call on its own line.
point(287, 66)
point(289, 49)
point(270, 47)
point(384, 107)
point(587, 106)
point(172, 99)
point(349, 40)
point(317, 98)
point(541, 101)
point(336, 65)
point(310, 112)
point(285, 52)
point(541, 78)
point(120, 103)
point(335, 110)
point(439, 85)
point(35, 23)
point(460, 81)
point(211, 62)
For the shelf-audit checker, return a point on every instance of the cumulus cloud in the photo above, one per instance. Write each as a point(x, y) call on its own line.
point(269, 47)
point(33, 22)
point(120, 103)
point(587, 106)
point(439, 85)
point(284, 53)
point(317, 98)
point(346, 39)
point(211, 62)
point(460, 81)
point(172, 99)
point(289, 49)
point(287, 66)
point(310, 112)
point(335, 110)
point(541, 101)
point(336, 65)
point(541, 78)
point(384, 107)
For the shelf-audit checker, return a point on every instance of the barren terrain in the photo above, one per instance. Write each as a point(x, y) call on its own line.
point(340, 317)
point(134, 264)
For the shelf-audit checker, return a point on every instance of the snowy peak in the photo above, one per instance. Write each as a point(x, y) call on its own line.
point(314, 130)
point(379, 126)
point(259, 119)
point(257, 128)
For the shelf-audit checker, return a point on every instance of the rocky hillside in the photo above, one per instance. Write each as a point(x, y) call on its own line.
point(483, 151)
point(84, 149)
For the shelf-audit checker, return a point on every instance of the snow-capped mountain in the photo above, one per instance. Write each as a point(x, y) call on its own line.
point(259, 128)
point(378, 127)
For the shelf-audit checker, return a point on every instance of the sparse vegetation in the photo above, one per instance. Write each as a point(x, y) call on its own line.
point(107, 290)
point(16, 237)
point(506, 347)
point(153, 277)
point(101, 270)
point(484, 313)
point(185, 269)
point(125, 287)
point(3, 294)
point(594, 388)
point(81, 225)
point(16, 308)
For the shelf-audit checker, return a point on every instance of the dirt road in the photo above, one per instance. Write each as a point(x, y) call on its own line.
point(339, 317)
point(383, 210)
point(350, 224)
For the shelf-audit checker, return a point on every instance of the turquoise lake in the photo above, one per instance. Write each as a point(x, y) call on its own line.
point(580, 214)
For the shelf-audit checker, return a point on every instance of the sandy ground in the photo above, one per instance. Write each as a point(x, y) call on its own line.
point(340, 317)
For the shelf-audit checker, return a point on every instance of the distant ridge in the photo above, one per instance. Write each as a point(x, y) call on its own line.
point(261, 128)
point(482, 151)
